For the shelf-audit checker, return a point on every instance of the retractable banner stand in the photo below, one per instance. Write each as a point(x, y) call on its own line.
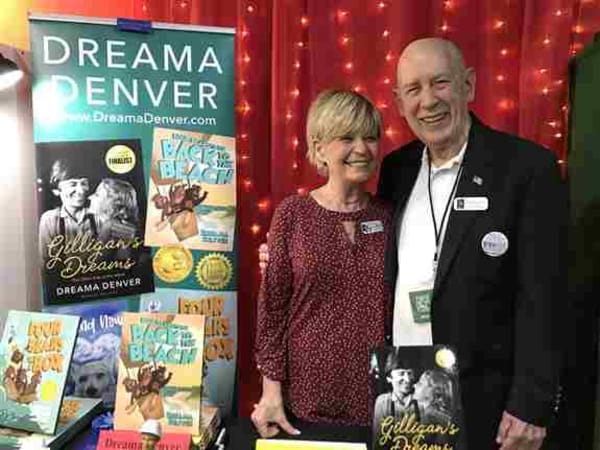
point(136, 159)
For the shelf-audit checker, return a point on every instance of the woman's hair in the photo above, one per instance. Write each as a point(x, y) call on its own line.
point(439, 389)
point(336, 113)
point(119, 201)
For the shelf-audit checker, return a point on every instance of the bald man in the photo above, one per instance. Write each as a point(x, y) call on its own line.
point(478, 259)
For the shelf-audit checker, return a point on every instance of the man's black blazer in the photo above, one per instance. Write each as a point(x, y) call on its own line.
point(503, 314)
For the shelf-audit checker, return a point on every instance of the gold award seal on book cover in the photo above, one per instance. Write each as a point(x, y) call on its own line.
point(214, 271)
point(120, 159)
point(445, 358)
point(173, 263)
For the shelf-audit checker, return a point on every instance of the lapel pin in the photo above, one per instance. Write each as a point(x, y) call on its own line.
point(477, 180)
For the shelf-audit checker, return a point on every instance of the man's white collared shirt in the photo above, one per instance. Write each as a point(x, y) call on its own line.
point(416, 244)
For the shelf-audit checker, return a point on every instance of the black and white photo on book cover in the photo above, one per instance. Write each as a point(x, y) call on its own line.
point(416, 398)
point(91, 201)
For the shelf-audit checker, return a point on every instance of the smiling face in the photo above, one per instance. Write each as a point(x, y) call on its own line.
point(342, 132)
point(433, 93)
point(73, 193)
point(349, 160)
point(403, 381)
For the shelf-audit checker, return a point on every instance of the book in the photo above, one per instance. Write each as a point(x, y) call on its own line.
point(35, 355)
point(211, 423)
point(416, 398)
point(93, 372)
point(282, 444)
point(91, 197)
point(191, 190)
point(121, 439)
point(220, 341)
point(160, 372)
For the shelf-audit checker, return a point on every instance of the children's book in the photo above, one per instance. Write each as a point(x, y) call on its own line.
point(121, 439)
point(417, 398)
point(92, 205)
point(191, 190)
point(93, 372)
point(160, 372)
point(75, 414)
point(35, 355)
point(220, 335)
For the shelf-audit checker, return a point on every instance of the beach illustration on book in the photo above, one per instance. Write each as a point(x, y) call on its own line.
point(160, 372)
point(191, 190)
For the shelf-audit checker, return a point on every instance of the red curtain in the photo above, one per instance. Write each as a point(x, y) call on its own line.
point(288, 50)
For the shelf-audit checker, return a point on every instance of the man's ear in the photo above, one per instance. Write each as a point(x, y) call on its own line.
point(469, 83)
point(398, 100)
point(56, 192)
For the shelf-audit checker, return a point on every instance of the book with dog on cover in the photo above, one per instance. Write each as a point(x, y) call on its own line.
point(417, 398)
point(35, 355)
point(160, 372)
point(93, 372)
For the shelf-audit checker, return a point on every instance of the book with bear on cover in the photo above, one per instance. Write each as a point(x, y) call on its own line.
point(160, 372)
point(35, 355)
point(92, 206)
point(417, 398)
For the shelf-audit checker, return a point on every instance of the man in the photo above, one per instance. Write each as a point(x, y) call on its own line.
point(150, 434)
point(400, 401)
point(72, 217)
point(481, 219)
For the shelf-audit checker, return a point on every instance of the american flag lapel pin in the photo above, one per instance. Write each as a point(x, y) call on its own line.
point(477, 180)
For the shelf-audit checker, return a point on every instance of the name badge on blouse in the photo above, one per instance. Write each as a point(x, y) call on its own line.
point(471, 204)
point(371, 226)
point(420, 302)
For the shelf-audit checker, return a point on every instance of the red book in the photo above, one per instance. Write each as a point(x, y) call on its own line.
point(117, 439)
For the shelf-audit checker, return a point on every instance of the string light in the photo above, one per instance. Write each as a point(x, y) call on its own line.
point(295, 92)
point(341, 15)
point(247, 183)
point(444, 27)
point(386, 80)
point(558, 135)
point(500, 78)
point(578, 29)
point(545, 91)
point(255, 229)
point(250, 9)
point(385, 33)
point(304, 21)
point(297, 65)
point(499, 24)
point(381, 5)
point(542, 71)
point(289, 116)
point(382, 105)
point(349, 66)
point(558, 13)
point(344, 40)
point(301, 191)
point(263, 205)
point(504, 52)
point(448, 5)
point(389, 131)
point(246, 58)
point(300, 44)
point(357, 88)
point(389, 56)
point(546, 41)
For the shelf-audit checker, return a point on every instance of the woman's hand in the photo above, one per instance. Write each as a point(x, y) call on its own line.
point(268, 415)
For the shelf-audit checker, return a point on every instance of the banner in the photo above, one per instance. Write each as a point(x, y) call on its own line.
point(136, 158)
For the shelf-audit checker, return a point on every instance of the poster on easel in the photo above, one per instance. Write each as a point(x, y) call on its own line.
point(148, 106)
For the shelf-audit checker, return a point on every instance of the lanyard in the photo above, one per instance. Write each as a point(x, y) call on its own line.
point(438, 232)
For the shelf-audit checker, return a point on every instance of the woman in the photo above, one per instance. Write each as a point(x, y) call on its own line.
point(114, 203)
point(321, 306)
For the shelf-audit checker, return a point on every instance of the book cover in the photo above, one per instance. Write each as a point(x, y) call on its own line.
point(35, 354)
point(282, 444)
point(211, 421)
point(92, 207)
point(220, 341)
point(417, 398)
point(160, 372)
point(191, 190)
point(93, 372)
point(121, 439)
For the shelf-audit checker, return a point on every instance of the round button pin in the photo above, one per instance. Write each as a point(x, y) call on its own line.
point(494, 243)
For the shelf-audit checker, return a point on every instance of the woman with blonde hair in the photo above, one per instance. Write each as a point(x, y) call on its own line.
point(322, 304)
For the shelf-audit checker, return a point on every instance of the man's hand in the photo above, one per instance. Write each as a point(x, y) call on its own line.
point(514, 434)
point(268, 417)
point(263, 257)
